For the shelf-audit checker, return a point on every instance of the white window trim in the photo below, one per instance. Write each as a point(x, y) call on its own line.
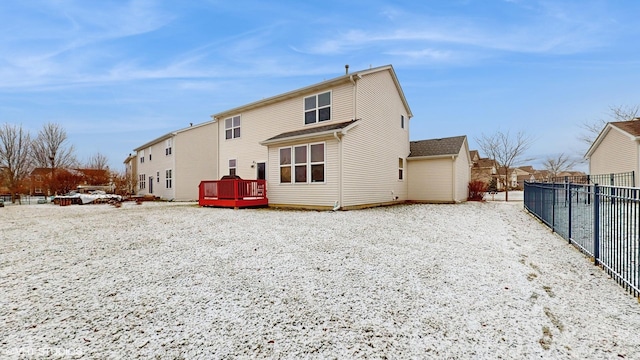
point(235, 168)
point(168, 147)
point(404, 166)
point(403, 123)
point(308, 164)
point(232, 128)
point(168, 178)
point(304, 111)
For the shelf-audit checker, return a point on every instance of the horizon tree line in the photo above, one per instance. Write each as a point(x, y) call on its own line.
point(21, 153)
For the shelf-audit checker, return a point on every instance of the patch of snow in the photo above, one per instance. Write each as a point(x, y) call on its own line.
point(173, 280)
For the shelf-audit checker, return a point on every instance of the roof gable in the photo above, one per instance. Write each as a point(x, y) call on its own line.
point(437, 147)
point(350, 77)
point(630, 128)
point(172, 134)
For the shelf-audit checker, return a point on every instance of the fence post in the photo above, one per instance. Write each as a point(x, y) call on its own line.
point(569, 210)
point(596, 224)
point(553, 207)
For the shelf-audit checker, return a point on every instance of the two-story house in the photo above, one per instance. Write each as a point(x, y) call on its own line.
point(341, 143)
point(171, 166)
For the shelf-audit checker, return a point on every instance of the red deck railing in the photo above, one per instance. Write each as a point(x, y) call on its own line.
point(234, 193)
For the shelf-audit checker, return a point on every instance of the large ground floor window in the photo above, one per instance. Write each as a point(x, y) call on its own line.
point(302, 163)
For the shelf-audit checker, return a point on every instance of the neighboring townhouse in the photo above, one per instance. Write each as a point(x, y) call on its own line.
point(131, 174)
point(616, 149)
point(439, 170)
point(39, 181)
point(342, 143)
point(171, 166)
point(482, 169)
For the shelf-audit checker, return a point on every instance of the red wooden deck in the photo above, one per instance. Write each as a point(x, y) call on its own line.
point(234, 193)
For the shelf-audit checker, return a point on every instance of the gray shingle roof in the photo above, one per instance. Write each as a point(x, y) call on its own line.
point(313, 130)
point(436, 147)
point(631, 126)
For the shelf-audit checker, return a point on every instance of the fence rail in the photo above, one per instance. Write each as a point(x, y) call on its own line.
point(627, 179)
point(602, 221)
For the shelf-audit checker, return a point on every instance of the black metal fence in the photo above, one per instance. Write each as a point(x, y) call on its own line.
point(618, 179)
point(602, 221)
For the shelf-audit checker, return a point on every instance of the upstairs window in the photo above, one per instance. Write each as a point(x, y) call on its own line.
point(232, 127)
point(141, 156)
point(317, 108)
point(402, 121)
point(167, 147)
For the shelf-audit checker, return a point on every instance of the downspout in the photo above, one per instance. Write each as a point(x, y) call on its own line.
point(217, 148)
point(453, 177)
point(339, 204)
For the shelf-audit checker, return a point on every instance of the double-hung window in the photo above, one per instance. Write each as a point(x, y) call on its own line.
point(232, 166)
point(167, 147)
point(400, 168)
point(141, 156)
point(232, 127)
point(302, 164)
point(285, 165)
point(142, 181)
point(317, 162)
point(168, 178)
point(317, 108)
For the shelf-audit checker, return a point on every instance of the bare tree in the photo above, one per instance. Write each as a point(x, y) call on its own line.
point(616, 113)
point(506, 151)
point(556, 165)
point(15, 161)
point(125, 183)
point(98, 161)
point(50, 149)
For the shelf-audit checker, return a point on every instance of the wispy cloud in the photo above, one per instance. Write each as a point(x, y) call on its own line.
point(64, 43)
point(546, 28)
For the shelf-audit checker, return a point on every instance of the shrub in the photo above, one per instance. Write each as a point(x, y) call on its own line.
point(477, 189)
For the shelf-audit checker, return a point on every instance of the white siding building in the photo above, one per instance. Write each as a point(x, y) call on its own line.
point(171, 167)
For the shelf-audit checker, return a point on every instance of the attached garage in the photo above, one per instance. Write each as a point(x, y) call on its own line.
point(439, 170)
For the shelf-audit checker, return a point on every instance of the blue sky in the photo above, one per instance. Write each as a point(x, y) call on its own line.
point(116, 74)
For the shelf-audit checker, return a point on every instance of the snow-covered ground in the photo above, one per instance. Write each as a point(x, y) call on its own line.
point(172, 280)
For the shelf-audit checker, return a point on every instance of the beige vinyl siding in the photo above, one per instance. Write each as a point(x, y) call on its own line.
point(262, 123)
point(372, 148)
point(308, 194)
point(150, 168)
point(615, 154)
point(194, 151)
point(463, 174)
point(431, 180)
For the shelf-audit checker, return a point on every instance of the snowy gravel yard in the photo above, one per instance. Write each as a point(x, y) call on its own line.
point(172, 280)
